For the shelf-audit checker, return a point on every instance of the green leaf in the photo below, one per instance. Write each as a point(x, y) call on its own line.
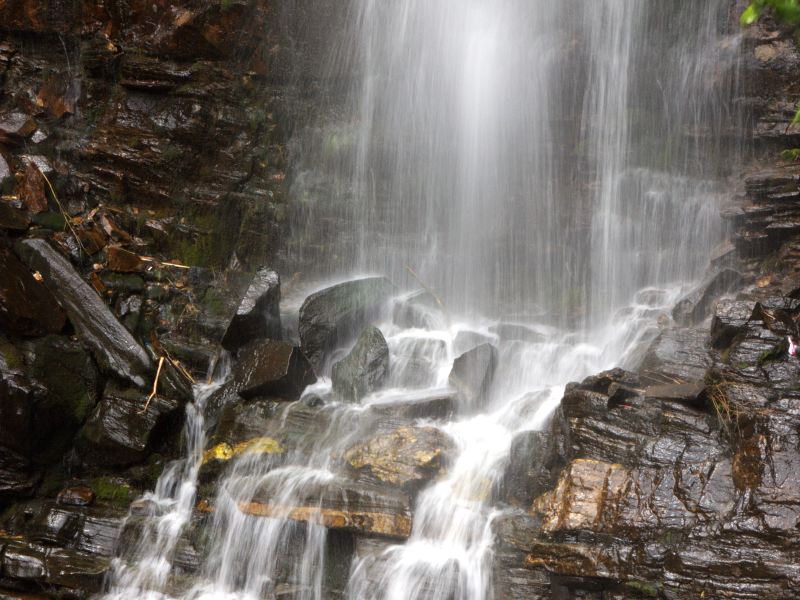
point(796, 117)
point(750, 15)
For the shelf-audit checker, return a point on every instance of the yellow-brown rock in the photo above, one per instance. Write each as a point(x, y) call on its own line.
point(224, 452)
point(396, 525)
point(588, 496)
point(406, 457)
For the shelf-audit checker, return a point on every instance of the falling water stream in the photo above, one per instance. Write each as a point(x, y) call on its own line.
point(552, 165)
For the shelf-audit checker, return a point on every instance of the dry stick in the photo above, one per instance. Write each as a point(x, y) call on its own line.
point(431, 292)
point(155, 385)
point(63, 212)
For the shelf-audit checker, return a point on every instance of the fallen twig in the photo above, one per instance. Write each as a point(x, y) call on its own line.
point(431, 292)
point(155, 385)
point(63, 212)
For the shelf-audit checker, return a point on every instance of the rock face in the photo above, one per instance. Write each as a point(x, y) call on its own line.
point(473, 372)
point(406, 458)
point(113, 345)
point(331, 318)
point(272, 369)
point(27, 308)
point(365, 369)
point(120, 431)
point(258, 315)
point(697, 306)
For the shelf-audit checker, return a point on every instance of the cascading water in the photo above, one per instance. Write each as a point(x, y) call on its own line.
point(550, 167)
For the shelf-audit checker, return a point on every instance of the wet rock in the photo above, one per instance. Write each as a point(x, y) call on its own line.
point(407, 458)
point(416, 361)
point(467, 340)
point(272, 368)
point(473, 373)
point(331, 318)
point(119, 431)
point(32, 192)
point(27, 308)
point(695, 307)
point(217, 456)
point(123, 261)
point(5, 170)
point(730, 319)
point(76, 570)
point(365, 369)
point(24, 562)
point(76, 496)
point(258, 315)
point(112, 345)
point(691, 393)
point(677, 355)
point(342, 505)
point(419, 309)
point(12, 218)
point(15, 127)
point(390, 413)
point(528, 473)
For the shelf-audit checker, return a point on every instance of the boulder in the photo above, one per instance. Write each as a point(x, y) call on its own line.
point(365, 369)
point(473, 372)
point(27, 308)
point(419, 309)
point(112, 345)
point(677, 355)
point(15, 127)
point(390, 413)
point(730, 319)
point(697, 305)
point(79, 495)
point(272, 368)
point(467, 340)
point(406, 458)
point(258, 315)
point(333, 317)
point(528, 472)
point(13, 219)
point(119, 431)
point(416, 361)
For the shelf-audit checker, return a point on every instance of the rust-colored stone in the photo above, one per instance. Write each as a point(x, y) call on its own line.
point(384, 524)
point(123, 261)
point(76, 496)
point(32, 192)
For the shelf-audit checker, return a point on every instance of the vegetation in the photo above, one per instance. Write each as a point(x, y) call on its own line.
point(784, 11)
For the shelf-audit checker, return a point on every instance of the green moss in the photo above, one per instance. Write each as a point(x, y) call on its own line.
point(7, 186)
point(50, 220)
point(11, 355)
point(645, 589)
point(155, 466)
point(112, 490)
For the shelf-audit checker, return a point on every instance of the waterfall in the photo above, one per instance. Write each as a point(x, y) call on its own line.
point(556, 166)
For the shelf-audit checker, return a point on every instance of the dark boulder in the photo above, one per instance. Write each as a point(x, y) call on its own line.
point(272, 368)
point(15, 127)
point(730, 319)
point(12, 218)
point(333, 317)
point(390, 413)
point(27, 308)
point(473, 373)
point(697, 305)
point(677, 355)
point(112, 345)
point(365, 369)
point(529, 470)
point(258, 315)
point(119, 431)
